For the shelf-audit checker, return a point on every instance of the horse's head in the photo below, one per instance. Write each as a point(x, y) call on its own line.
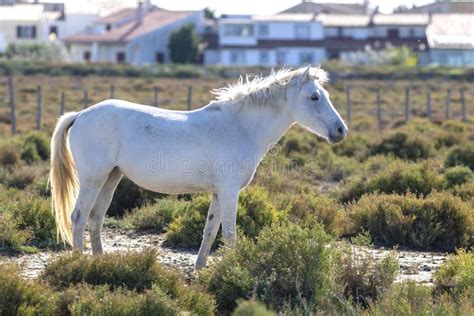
point(312, 108)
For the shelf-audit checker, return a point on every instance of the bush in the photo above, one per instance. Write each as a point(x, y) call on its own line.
point(398, 177)
point(456, 275)
point(161, 287)
point(186, 229)
point(457, 176)
point(461, 155)
point(308, 209)
point(404, 146)
point(9, 155)
point(252, 308)
point(20, 297)
point(363, 279)
point(440, 221)
point(129, 196)
point(35, 147)
point(265, 271)
point(27, 221)
point(413, 299)
point(155, 217)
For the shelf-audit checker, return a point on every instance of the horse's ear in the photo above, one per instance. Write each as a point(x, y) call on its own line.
point(303, 77)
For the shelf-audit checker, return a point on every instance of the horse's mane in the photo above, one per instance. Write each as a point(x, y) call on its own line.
point(265, 90)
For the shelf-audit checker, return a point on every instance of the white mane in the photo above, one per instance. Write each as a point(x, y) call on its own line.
point(265, 90)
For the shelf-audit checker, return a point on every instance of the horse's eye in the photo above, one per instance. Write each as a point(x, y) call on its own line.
point(315, 97)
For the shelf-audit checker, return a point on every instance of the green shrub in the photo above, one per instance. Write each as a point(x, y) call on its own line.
point(362, 278)
point(440, 221)
point(307, 209)
point(356, 145)
point(461, 155)
point(413, 299)
point(186, 229)
point(465, 192)
point(457, 176)
point(129, 196)
point(21, 177)
point(252, 308)
point(27, 221)
point(138, 272)
point(404, 146)
point(36, 146)
point(456, 275)
point(9, 155)
point(398, 177)
point(255, 211)
point(20, 297)
point(264, 270)
point(155, 217)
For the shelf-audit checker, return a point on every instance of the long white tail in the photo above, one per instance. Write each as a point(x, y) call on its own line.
point(63, 177)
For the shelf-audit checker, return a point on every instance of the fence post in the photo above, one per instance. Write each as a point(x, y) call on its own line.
point(112, 91)
point(379, 113)
point(348, 104)
point(428, 105)
point(190, 97)
point(61, 107)
point(86, 99)
point(11, 94)
point(446, 105)
point(407, 104)
point(463, 105)
point(38, 109)
point(156, 91)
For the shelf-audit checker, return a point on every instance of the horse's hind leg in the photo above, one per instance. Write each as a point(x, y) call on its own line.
point(89, 188)
point(96, 218)
point(213, 223)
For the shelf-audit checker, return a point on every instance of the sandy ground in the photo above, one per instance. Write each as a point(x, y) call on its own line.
point(414, 265)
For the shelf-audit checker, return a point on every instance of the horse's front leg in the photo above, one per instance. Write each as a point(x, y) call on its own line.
point(210, 231)
point(228, 207)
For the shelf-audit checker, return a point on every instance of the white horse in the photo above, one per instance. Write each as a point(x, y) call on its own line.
point(216, 149)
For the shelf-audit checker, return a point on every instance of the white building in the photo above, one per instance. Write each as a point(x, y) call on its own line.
point(451, 39)
point(135, 36)
point(37, 22)
point(284, 39)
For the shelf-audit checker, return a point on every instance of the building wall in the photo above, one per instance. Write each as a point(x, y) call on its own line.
point(9, 35)
point(294, 56)
point(452, 57)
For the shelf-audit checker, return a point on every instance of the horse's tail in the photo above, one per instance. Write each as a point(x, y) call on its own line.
point(63, 177)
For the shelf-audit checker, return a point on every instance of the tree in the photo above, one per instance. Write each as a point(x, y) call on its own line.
point(183, 45)
point(209, 14)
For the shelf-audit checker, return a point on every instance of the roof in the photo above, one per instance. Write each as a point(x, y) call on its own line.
point(451, 31)
point(466, 7)
point(118, 16)
point(401, 19)
point(332, 8)
point(298, 17)
point(151, 21)
point(341, 20)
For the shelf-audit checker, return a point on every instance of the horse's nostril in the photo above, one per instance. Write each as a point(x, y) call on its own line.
point(340, 130)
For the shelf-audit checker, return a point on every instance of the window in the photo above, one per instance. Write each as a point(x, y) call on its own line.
point(26, 31)
point(306, 58)
point(302, 31)
point(237, 57)
point(108, 27)
point(412, 32)
point(263, 30)
point(53, 29)
point(340, 32)
point(281, 58)
point(264, 57)
point(241, 30)
point(159, 58)
point(120, 57)
point(393, 33)
point(87, 55)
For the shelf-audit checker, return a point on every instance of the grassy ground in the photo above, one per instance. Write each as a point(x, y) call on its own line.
point(409, 185)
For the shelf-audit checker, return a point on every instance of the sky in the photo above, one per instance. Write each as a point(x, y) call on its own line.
point(225, 6)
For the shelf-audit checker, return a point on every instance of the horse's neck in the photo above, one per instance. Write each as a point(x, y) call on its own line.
point(265, 125)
